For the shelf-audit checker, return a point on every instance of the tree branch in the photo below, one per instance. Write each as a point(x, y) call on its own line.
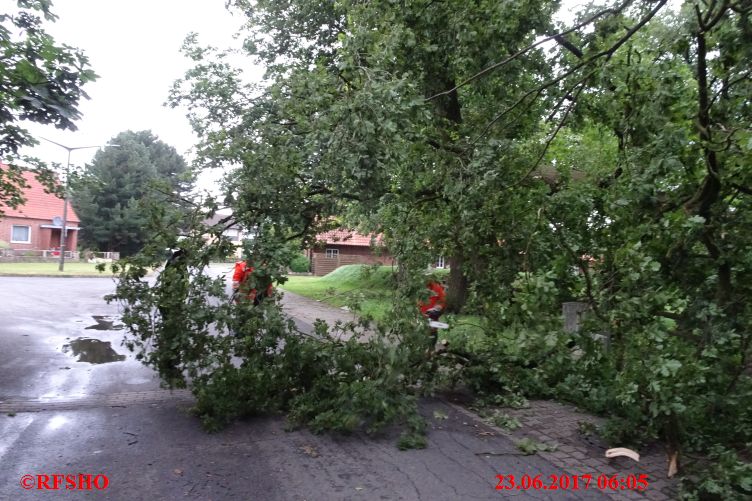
point(742, 189)
point(501, 115)
point(552, 136)
point(583, 269)
point(568, 45)
point(530, 47)
point(708, 22)
point(439, 146)
point(323, 190)
point(539, 90)
point(727, 85)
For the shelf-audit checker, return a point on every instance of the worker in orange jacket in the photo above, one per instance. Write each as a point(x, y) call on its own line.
point(243, 284)
point(434, 306)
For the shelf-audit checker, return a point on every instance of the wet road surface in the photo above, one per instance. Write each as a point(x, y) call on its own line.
point(73, 400)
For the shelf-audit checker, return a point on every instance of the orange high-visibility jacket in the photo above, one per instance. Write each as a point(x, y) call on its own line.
point(437, 298)
point(242, 273)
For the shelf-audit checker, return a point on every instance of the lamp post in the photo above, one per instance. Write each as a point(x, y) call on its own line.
point(64, 230)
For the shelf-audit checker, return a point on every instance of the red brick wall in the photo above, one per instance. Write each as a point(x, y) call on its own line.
point(41, 238)
point(71, 242)
point(348, 254)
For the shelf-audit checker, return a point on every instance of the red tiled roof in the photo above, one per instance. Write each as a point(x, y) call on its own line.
point(39, 205)
point(348, 237)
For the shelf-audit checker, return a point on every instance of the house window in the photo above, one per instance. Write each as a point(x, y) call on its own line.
point(332, 252)
point(21, 234)
point(440, 262)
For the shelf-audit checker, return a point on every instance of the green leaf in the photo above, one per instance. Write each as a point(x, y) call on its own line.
point(670, 367)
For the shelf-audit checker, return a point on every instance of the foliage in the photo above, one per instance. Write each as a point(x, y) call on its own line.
point(529, 447)
point(40, 81)
point(726, 478)
point(243, 360)
point(610, 169)
point(110, 196)
point(506, 421)
point(300, 264)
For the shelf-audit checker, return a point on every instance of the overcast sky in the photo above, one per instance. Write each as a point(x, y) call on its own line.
point(134, 48)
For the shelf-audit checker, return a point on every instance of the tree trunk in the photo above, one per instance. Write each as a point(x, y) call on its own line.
point(449, 116)
point(709, 193)
point(457, 290)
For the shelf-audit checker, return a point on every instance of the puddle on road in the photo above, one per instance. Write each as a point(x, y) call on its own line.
point(104, 323)
point(92, 351)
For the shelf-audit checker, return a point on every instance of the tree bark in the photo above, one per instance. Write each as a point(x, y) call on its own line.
point(709, 193)
point(449, 115)
point(457, 291)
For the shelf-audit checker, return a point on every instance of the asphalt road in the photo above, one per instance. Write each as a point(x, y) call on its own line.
point(106, 415)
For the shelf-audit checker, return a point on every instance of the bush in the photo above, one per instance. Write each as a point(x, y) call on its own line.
point(300, 264)
point(727, 478)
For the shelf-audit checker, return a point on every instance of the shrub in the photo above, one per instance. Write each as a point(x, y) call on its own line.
point(300, 264)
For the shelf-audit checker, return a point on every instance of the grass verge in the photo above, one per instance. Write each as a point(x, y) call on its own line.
point(371, 290)
point(366, 289)
point(50, 269)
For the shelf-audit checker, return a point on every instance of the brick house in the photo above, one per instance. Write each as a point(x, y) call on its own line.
point(36, 226)
point(340, 247)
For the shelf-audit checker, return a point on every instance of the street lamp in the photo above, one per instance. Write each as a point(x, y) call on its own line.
point(64, 231)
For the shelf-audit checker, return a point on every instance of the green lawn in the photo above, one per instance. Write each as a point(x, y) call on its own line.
point(30, 269)
point(370, 288)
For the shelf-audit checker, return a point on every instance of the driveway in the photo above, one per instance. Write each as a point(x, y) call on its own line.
point(71, 404)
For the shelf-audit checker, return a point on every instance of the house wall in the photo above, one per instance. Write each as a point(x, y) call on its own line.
point(348, 254)
point(6, 228)
point(71, 242)
point(41, 238)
